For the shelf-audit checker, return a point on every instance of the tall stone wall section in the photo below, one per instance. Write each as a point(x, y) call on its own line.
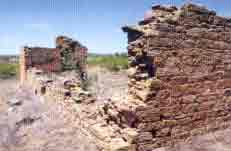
point(73, 54)
point(180, 72)
point(68, 55)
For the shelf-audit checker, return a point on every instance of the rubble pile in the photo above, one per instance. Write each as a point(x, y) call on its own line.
point(179, 82)
point(106, 124)
point(65, 86)
point(180, 74)
point(58, 85)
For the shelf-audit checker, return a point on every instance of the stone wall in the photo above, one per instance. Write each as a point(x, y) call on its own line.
point(46, 59)
point(180, 73)
point(73, 54)
point(91, 117)
point(68, 55)
point(179, 87)
point(104, 123)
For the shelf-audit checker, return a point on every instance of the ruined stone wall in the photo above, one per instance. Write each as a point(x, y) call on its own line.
point(180, 72)
point(68, 55)
point(180, 82)
point(104, 123)
point(46, 59)
point(74, 55)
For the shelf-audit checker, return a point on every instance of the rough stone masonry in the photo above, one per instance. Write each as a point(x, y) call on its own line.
point(179, 87)
point(68, 55)
point(180, 72)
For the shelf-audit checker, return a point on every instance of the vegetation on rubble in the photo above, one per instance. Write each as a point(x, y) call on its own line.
point(8, 70)
point(112, 62)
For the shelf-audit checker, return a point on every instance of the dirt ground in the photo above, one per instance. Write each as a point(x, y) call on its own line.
point(106, 85)
point(7, 88)
point(28, 123)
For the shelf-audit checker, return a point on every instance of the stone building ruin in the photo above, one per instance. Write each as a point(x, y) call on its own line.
point(68, 55)
point(190, 92)
point(179, 81)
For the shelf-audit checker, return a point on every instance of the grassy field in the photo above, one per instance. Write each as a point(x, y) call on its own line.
point(8, 70)
point(112, 62)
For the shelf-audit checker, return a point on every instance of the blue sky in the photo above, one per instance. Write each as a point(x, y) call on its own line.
point(95, 23)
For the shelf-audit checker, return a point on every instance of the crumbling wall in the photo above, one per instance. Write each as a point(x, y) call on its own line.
point(46, 59)
point(180, 82)
point(105, 123)
point(68, 55)
point(73, 54)
point(180, 73)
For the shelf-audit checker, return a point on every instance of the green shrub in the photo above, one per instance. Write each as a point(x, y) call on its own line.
point(114, 62)
point(8, 70)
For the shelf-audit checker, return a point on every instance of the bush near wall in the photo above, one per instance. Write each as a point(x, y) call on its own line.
point(112, 62)
point(8, 70)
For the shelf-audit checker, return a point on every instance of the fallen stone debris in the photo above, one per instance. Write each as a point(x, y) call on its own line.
point(179, 81)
